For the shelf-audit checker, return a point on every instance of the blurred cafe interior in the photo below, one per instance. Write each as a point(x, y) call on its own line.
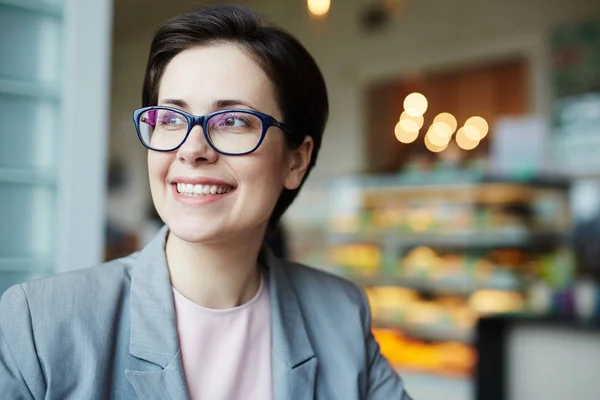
point(458, 182)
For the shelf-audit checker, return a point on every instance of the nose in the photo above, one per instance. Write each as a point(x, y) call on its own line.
point(196, 150)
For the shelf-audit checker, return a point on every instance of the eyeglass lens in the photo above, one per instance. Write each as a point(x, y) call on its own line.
point(231, 132)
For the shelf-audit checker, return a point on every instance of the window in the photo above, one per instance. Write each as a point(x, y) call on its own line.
point(45, 84)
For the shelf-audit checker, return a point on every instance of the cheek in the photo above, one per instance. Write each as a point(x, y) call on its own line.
point(264, 171)
point(273, 161)
point(157, 164)
point(158, 167)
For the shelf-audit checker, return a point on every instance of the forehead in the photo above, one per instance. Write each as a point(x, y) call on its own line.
point(202, 75)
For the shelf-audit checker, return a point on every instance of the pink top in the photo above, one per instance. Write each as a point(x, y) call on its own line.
point(226, 353)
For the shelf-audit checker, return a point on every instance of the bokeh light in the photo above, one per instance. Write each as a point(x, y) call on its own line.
point(410, 123)
point(448, 119)
point(319, 8)
point(405, 136)
point(415, 104)
point(471, 132)
point(432, 147)
point(480, 124)
point(439, 134)
point(464, 142)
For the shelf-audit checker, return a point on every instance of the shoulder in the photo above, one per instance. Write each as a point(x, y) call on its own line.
point(52, 327)
point(323, 287)
point(65, 293)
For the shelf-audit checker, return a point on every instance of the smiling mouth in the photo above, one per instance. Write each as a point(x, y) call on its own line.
point(188, 189)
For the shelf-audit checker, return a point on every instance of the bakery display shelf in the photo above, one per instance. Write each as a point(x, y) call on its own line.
point(450, 359)
point(429, 332)
point(459, 240)
point(411, 182)
point(436, 252)
point(462, 287)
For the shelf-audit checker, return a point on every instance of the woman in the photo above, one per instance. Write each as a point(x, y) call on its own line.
point(233, 115)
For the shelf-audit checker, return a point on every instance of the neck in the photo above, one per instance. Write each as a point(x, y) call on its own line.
point(215, 275)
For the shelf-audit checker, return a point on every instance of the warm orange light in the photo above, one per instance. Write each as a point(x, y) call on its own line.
point(410, 123)
point(319, 8)
point(432, 147)
point(442, 127)
point(464, 142)
point(448, 119)
point(489, 301)
point(405, 136)
point(439, 134)
point(415, 104)
point(471, 133)
point(480, 124)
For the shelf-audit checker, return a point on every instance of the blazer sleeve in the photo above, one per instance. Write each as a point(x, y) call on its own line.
point(21, 375)
point(383, 381)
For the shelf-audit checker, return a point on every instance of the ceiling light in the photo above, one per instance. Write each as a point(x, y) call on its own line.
point(448, 119)
point(318, 8)
point(410, 123)
point(405, 136)
point(465, 142)
point(415, 104)
point(439, 134)
point(432, 147)
point(480, 124)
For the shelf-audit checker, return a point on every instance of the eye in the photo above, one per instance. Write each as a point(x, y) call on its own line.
point(231, 120)
point(235, 122)
point(170, 119)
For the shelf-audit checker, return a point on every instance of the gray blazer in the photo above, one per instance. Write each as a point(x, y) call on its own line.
point(109, 332)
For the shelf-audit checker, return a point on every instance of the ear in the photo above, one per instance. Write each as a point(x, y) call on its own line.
point(299, 159)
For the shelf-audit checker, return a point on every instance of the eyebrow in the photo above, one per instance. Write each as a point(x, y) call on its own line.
point(220, 104)
point(217, 104)
point(175, 102)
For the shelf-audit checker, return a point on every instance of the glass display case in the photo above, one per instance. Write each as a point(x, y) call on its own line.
point(435, 252)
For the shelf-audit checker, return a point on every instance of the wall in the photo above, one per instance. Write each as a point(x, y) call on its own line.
point(83, 133)
point(128, 206)
point(487, 90)
point(552, 363)
point(426, 35)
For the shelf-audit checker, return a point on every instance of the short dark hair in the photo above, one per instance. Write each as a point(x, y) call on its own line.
point(299, 85)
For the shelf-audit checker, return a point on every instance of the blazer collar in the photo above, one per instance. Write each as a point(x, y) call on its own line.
point(290, 339)
point(294, 363)
point(153, 335)
point(156, 372)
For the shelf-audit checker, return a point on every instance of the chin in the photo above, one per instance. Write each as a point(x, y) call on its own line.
point(196, 231)
point(199, 230)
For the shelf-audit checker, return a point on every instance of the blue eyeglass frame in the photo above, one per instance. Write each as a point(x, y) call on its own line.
point(202, 120)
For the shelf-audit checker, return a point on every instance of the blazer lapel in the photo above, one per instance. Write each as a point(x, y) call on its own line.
point(294, 363)
point(155, 371)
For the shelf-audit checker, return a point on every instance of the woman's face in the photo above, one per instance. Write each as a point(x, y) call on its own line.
point(202, 80)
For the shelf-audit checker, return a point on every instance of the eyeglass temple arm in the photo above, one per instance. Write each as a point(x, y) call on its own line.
point(284, 128)
point(287, 129)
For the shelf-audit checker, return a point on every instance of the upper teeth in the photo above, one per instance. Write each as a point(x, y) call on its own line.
point(197, 190)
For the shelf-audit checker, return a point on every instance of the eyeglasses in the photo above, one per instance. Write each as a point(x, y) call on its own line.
point(229, 132)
